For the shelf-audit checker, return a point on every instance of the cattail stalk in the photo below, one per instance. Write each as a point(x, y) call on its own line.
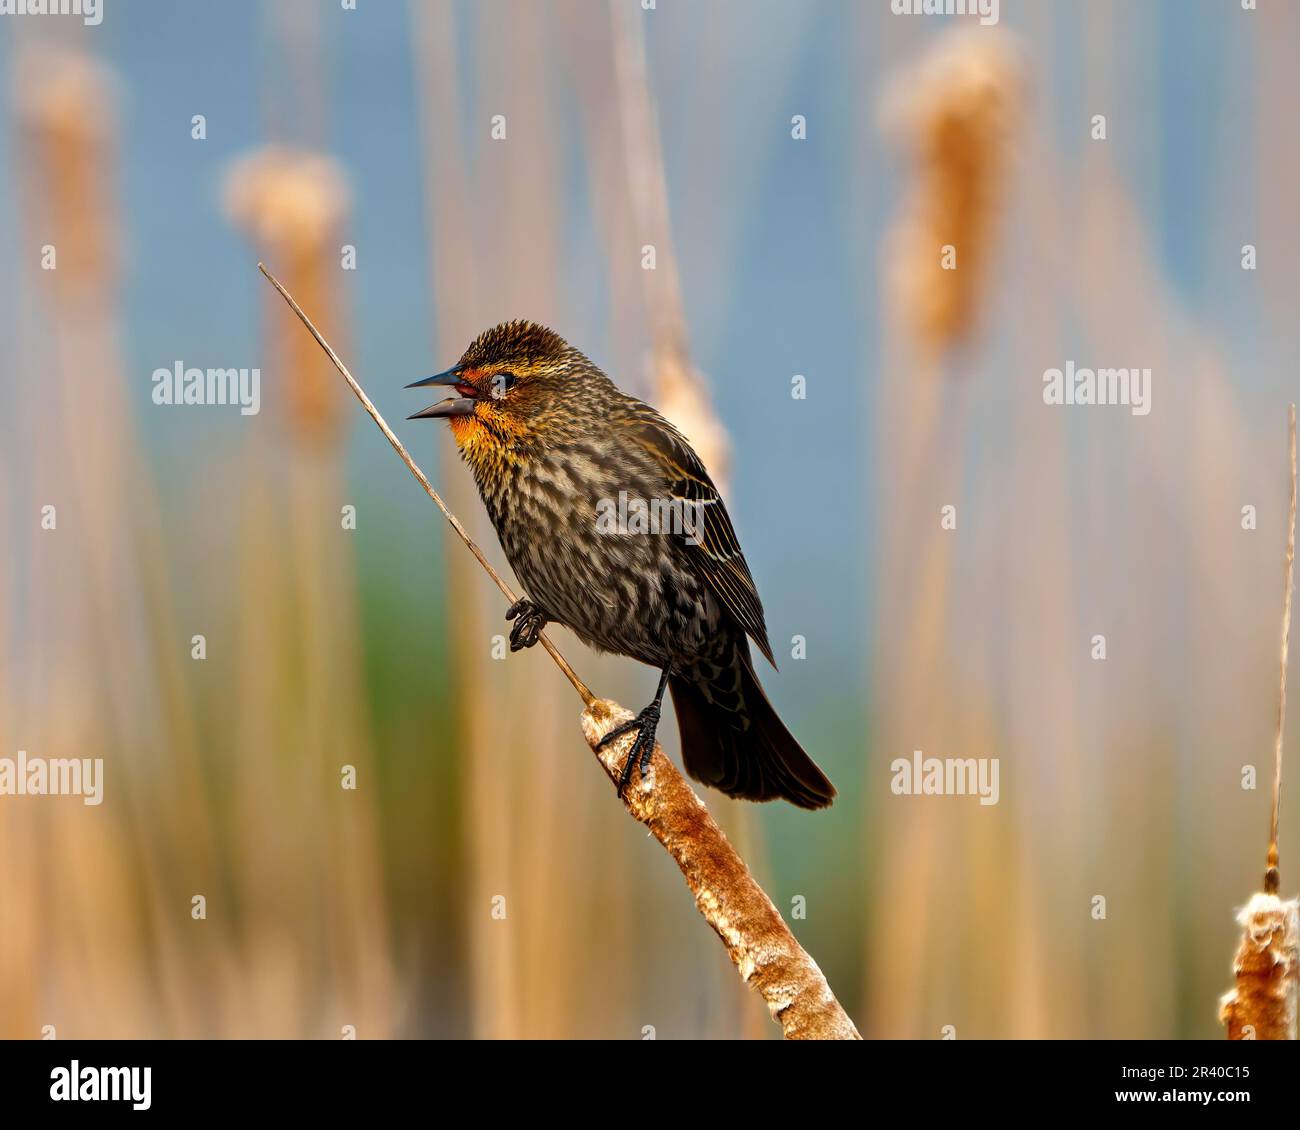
point(1263, 1006)
point(760, 944)
point(758, 941)
point(1271, 875)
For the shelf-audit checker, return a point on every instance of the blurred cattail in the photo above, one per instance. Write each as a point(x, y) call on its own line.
point(64, 104)
point(292, 204)
point(956, 111)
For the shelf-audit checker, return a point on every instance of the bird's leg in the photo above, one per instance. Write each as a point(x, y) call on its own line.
point(645, 724)
point(531, 621)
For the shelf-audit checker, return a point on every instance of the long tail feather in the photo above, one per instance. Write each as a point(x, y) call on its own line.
point(744, 751)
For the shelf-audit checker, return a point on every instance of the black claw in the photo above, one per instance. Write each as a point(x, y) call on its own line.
point(645, 724)
point(648, 749)
point(528, 628)
point(643, 748)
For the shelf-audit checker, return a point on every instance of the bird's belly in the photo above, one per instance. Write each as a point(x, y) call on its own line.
point(632, 594)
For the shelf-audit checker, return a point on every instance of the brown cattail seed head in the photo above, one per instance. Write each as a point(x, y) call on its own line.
point(1267, 966)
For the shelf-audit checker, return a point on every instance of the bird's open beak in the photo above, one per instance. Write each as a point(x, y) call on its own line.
point(453, 405)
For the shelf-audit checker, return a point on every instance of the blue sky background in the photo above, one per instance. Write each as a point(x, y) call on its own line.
point(799, 257)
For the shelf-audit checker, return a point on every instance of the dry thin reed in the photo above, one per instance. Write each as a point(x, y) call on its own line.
point(1271, 876)
point(1263, 1006)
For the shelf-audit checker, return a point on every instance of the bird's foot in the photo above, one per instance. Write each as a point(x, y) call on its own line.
point(645, 724)
point(530, 620)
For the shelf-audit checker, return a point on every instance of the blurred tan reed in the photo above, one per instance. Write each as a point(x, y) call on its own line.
point(102, 938)
point(956, 114)
point(300, 625)
point(491, 950)
point(98, 589)
point(680, 391)
point(300, 651)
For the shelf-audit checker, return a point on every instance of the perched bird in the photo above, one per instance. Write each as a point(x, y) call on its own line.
point(615, 530)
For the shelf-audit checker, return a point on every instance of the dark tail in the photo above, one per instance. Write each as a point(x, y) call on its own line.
point(733, 739)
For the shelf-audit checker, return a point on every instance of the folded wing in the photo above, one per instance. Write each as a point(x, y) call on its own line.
point(716, 552)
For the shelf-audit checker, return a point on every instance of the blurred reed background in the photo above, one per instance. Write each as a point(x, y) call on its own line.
point(373, 647)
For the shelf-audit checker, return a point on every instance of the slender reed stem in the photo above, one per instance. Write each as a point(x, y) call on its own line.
point(1272, 877)
point(552, 650)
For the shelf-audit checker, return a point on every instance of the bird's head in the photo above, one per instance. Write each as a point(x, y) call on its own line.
point(514, 383)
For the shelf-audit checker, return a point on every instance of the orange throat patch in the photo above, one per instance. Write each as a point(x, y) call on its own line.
point(486, 444)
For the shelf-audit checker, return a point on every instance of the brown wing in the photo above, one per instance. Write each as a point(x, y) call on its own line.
point(716, 552)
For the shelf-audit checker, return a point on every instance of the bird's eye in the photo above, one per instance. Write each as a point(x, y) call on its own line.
point(502, 383)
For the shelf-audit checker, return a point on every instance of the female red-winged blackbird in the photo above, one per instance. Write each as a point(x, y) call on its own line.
point(612, 525)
